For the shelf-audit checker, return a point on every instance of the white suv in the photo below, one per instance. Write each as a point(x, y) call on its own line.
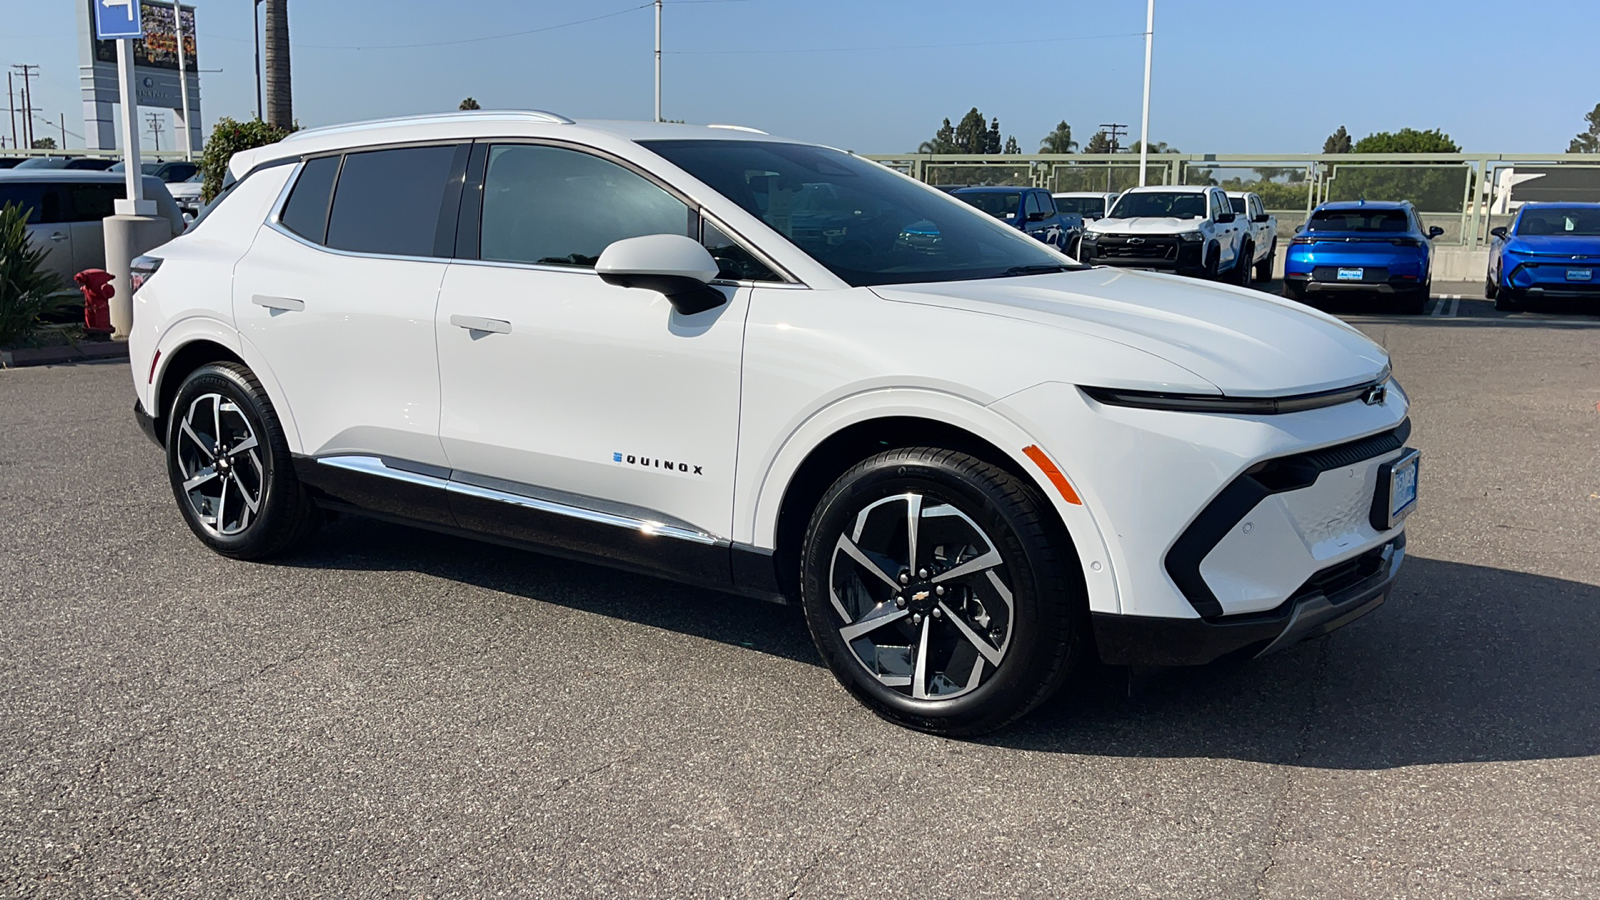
point(776, 369)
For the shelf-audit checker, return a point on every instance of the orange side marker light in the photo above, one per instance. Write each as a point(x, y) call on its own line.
point(1050, 471)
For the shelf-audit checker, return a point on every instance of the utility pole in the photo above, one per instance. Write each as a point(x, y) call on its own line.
point(1149, 39)
point(11, 104)
point(63, 131)
point(280, 99)
point(154, 118)
point(658, 60)
point(27, 100)
point(183, 84)
point(1114, 131)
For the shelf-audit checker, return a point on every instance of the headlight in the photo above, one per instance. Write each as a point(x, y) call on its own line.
point(1191, 236)
point(1090, 236)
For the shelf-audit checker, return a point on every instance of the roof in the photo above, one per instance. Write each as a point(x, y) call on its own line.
point(1560, 204)
point(1170, 189)
point(79, 176)
point(993, 189)
point(1084, 194)
point(1366, 204)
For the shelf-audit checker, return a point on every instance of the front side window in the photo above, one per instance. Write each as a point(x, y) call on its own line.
point(42, 201)
point(556, 207)
point(1001, 206)
point(1238, 205)
point(864, 223)
point(387, 201)
point(1161, 204)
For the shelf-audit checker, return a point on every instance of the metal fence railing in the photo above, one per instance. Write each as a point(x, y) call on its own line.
point(1466, 194)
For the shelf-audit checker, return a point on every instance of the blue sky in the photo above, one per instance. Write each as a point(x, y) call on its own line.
point(877, 76)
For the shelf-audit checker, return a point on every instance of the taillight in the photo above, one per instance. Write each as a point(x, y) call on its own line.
point(1302, 240)
point(1405, 242)
point(141, 270)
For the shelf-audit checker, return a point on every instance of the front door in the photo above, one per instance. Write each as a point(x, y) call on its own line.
point(49, 226)
point(568, 401)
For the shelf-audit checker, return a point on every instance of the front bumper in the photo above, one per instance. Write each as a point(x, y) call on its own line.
point(1547, 278)
point(1329, 600)
point(1165, 254)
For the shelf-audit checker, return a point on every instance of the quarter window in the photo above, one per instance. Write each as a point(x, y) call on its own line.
point(306, 213)
point(734, 263)
point(557, 207)
point(387, 201)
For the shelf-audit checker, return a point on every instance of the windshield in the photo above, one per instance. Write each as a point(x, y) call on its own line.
point(1378, 220)
point(1570, 220)
point(1088, 207)
point(1238, 204)
point(866, 224)
point(1001, 206)
point(1161, 204)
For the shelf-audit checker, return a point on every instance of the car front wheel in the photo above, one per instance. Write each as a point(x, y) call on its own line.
point(230, 467)
point(1264, 268)
point(939, 590)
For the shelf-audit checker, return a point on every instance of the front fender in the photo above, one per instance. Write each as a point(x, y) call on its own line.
point(757, 522)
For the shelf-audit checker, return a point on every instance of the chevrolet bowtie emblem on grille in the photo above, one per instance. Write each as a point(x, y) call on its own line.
point(1375, 395)
point(1135, 240)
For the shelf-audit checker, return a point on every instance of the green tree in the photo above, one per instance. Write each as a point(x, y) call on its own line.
point(1157, 147)
point(469, 103)
point(27, 288)
point(1059, 141)
point(972, 133)
point(944, 140)
point(1099, 142)
point(1588, 141)
point(44, 143)
point(1407, 140)
point(229, 137)
point(991, 143)
point(1012, 147)
point(1338, 142)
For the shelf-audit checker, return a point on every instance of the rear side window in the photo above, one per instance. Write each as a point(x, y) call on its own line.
point(387, 201)
point(558, 207)
point(306, 213)
point(43, 201)
point(93, 202)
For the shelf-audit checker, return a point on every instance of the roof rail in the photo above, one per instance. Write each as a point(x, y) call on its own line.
point(530, 115)
point(738, 128)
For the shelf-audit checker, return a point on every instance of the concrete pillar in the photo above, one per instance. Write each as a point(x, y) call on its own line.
point(128, 237)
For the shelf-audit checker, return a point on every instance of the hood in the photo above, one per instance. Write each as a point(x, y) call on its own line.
point(1555, 244)
point(1145, 225)
point(1246, 343)
point(184, 189)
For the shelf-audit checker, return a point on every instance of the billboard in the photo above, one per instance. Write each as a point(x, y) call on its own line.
point(159, 49)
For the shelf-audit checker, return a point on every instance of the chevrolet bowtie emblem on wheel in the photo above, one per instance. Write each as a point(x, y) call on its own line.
point(1375, 395)
point(919, 596)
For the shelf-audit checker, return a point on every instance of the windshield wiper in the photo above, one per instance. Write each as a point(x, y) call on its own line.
point(1037, 270)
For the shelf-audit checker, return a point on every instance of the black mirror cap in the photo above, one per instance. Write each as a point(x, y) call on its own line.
point(1261, 218)
point(1500, 232)
point(1434, 231)
point(1299, 228)
point(1226, 217)
point(687, 295)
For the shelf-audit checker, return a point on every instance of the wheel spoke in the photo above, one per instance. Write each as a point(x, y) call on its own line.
point(222, 508)
point(884, 615)
point(216, 419)
point(982, 646)
point(913, 520)
point(251, 507)
point(199, 479)
point(919, 681)
point(187, 430)
point(986, 561)
point(850, 549)
point(248, 443)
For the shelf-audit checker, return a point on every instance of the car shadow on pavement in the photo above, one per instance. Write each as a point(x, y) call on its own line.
point(1464, 663)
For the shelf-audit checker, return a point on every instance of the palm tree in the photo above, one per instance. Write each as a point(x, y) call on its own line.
point(280, 100)
point(469, 103)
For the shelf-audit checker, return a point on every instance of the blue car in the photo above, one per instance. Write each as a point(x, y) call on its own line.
point(1030, 210)
point(1362, 247)
point(1550, 250)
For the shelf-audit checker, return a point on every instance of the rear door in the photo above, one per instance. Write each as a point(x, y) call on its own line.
point(47, 228)
point(89, 204)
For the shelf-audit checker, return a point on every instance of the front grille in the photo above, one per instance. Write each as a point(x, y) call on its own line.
point(1369, 274)
point(1340, 577)
point(1147, 248)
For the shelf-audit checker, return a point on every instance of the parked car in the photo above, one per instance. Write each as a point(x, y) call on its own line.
point(1550, 250)
point(1263, 230)
point(66, 209)
point(1029, 210)
point(172, 172)
point(972, 462)
point(74, 163)
point(187, 194)
point(1089, 204)
point(1362, 247)
point(1185, 229)
point(10, 162)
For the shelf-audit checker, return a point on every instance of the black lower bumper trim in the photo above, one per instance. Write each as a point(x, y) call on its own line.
point(147, 424)
point(1143, 640)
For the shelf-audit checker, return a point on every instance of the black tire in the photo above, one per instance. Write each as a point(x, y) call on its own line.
point(1213, 263)
point(1293, 290)
point(256, 466)
point(1489, 288)
point(1264, 268)
point(1507, 300)
point(1039, 633)
point(1415, 303)
point(1242, 263)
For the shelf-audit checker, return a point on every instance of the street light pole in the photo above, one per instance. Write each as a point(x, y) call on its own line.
point(1144, 136)
point(183, 83)
point(658, 60)
point(255, 17)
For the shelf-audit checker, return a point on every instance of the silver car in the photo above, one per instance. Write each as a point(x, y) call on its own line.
point(66, 207)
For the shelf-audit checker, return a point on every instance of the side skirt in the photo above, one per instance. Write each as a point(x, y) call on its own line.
point(531, 518)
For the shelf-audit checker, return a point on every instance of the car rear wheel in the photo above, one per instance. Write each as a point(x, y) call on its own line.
point(1264, 268)
point(1416, 302)
point(1489, 289)
point(1213, 262)
point(938, 589)
point(1241, 266)
point(230, 467)
point(1295, 291)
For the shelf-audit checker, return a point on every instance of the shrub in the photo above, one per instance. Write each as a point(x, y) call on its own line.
point(26, 288)
point(228, 138)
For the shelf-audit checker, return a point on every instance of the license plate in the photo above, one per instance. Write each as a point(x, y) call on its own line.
point(1401, 487)
point(1351, 274)
point(1580, 274)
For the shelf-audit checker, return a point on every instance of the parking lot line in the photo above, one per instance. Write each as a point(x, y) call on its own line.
point(1446, 306)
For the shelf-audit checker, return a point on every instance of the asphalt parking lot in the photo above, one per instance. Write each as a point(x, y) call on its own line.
point(396, 713)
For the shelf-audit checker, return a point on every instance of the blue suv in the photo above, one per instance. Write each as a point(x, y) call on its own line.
point(1362, 247)
point(1031, 210)
point(1550, 250)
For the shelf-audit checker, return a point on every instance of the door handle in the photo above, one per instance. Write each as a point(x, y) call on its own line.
point(58, 237)
point(479, 323)
point(288, 304)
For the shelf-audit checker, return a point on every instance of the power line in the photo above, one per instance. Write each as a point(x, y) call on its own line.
point(772, 50)
point(475, 40)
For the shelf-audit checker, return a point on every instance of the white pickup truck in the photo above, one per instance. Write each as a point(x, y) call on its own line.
point(1187, 229)
point(1263, 230)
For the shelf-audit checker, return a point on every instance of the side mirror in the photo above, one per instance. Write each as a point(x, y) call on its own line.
point(673, 265)
point(1260, 218)
point(1299, 228)
point(1226, 217)
point(1434, 231)
point(1038, 216)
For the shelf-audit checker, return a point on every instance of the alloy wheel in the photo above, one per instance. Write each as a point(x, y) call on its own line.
point(923, 597)
point(219, 461)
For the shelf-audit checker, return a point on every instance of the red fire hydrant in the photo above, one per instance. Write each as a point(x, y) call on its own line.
point(97, 293)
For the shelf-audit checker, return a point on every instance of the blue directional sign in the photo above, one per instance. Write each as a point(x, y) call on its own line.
point(114, 19)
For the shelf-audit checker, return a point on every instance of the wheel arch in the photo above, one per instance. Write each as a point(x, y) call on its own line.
point(191, 344)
